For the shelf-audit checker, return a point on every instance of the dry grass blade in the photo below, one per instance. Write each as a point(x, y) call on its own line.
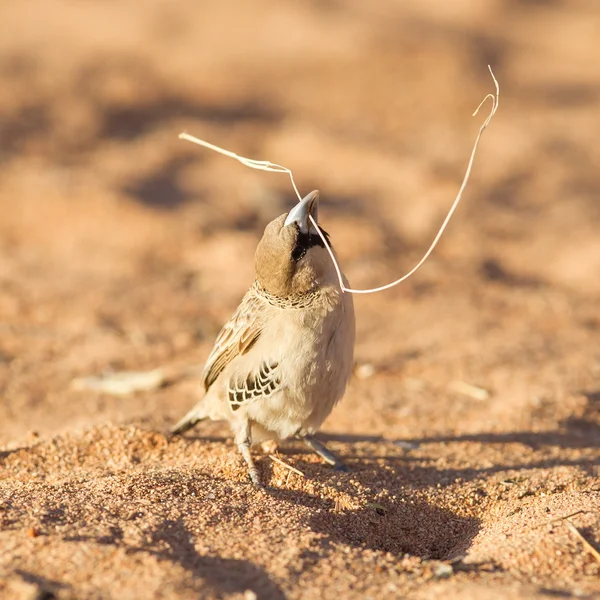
point(558, 519)
point(285, 465)
point(265, 165)
point(582, 539)
point(122, 383)
point(260, 165)
point(495, 98)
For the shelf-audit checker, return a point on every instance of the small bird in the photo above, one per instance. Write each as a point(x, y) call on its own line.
point(282, 361)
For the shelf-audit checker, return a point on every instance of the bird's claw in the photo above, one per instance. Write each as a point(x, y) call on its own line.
point(255, 478)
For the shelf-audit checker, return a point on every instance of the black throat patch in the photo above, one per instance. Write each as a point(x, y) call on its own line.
point(309, 240)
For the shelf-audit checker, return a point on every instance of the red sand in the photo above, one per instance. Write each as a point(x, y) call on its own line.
point(123, 248)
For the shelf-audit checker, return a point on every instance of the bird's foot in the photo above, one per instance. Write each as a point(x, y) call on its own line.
point(255, 477)
point(329, 457)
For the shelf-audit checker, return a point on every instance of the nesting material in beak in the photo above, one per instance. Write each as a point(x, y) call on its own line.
point(307, 207)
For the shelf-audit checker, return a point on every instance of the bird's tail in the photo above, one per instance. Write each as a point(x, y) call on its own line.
point(195, 415)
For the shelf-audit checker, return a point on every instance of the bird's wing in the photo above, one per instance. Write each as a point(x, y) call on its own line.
point(237, 337)
point(260, 383)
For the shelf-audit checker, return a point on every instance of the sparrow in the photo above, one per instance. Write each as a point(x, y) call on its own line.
point(283, 360)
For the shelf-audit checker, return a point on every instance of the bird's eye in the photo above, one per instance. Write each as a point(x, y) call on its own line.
point(298, 252)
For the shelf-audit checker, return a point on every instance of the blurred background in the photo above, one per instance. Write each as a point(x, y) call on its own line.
point(122, 247)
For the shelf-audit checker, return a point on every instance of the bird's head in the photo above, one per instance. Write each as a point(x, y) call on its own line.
point(291, 258)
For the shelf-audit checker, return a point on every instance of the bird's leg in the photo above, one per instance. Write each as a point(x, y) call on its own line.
point(320, 448)
point(243, 440)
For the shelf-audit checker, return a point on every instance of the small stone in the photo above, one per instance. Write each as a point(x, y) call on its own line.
point(443, 571)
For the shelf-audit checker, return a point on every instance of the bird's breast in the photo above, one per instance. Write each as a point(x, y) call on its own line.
point(314, 350)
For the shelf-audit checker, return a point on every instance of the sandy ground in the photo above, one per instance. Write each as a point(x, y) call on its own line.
point(122, 248)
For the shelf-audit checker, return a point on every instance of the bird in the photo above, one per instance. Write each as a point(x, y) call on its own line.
point(283, 360)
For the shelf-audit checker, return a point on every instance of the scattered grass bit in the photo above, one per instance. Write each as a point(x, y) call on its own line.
point(469, 390)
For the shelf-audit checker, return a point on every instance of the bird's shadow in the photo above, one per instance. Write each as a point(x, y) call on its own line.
point(402, 525)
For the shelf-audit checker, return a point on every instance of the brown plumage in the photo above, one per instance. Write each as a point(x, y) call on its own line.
point(282, 361)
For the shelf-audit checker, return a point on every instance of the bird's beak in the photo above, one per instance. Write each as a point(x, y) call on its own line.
point(307, 207)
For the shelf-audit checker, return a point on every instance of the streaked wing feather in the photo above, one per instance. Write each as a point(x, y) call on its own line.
point(260, 383)
point(238, 335)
